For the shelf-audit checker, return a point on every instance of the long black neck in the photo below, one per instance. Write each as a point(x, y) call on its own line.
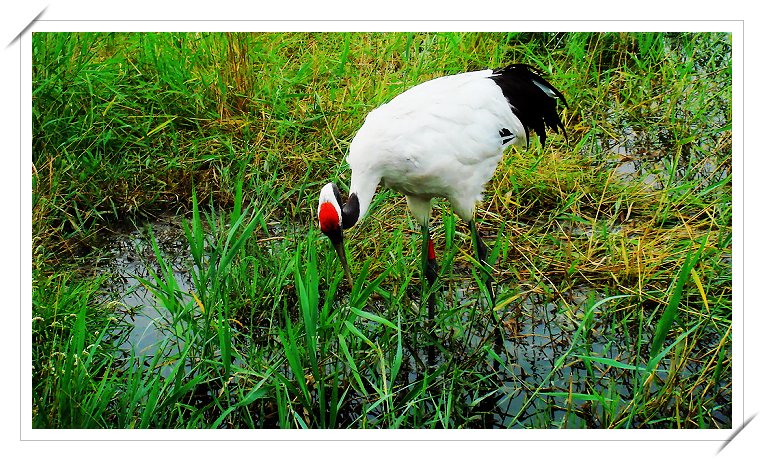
point(350, 211)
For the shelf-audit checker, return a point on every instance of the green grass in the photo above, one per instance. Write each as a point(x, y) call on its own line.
point(611, 250)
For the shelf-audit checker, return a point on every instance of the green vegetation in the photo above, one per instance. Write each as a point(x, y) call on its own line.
point(611, 250)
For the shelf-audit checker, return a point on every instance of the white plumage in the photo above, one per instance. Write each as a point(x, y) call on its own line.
point(441, 138)
point(438, 139)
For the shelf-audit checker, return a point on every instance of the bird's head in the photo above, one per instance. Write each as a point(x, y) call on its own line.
point(330, 219)
point(330, 212)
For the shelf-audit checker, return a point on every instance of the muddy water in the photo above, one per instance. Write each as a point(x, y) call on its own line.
point(132, 264)
point(533, 390)
point(536, 334)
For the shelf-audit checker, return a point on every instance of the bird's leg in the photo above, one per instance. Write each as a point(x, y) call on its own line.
point(482, 252)
point(429, 274)
point(431, 263)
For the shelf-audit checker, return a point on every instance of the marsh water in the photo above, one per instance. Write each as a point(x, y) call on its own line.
point(129, 280)
point(535, 336)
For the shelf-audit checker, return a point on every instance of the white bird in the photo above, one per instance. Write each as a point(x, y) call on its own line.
point(441, 138)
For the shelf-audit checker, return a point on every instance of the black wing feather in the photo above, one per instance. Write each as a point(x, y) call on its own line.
point(522, 85)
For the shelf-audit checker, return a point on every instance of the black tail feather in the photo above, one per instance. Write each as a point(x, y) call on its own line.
point(532, 98)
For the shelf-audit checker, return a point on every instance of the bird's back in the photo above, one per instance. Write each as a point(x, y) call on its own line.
point(445, 137)
point(457, 116)
point(438, 138)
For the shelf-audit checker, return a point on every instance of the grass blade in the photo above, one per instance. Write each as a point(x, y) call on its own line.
point(669, 315)
point(373, 318)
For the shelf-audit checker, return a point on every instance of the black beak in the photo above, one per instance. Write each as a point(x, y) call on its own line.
point(339, 246)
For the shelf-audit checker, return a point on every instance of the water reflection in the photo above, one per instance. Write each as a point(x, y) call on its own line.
point(131, 267)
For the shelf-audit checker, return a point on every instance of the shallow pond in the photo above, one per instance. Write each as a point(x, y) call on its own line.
point(130, 275)
point(528, 389)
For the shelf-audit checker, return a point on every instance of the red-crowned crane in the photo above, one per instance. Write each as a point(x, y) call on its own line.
point(441, 138)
